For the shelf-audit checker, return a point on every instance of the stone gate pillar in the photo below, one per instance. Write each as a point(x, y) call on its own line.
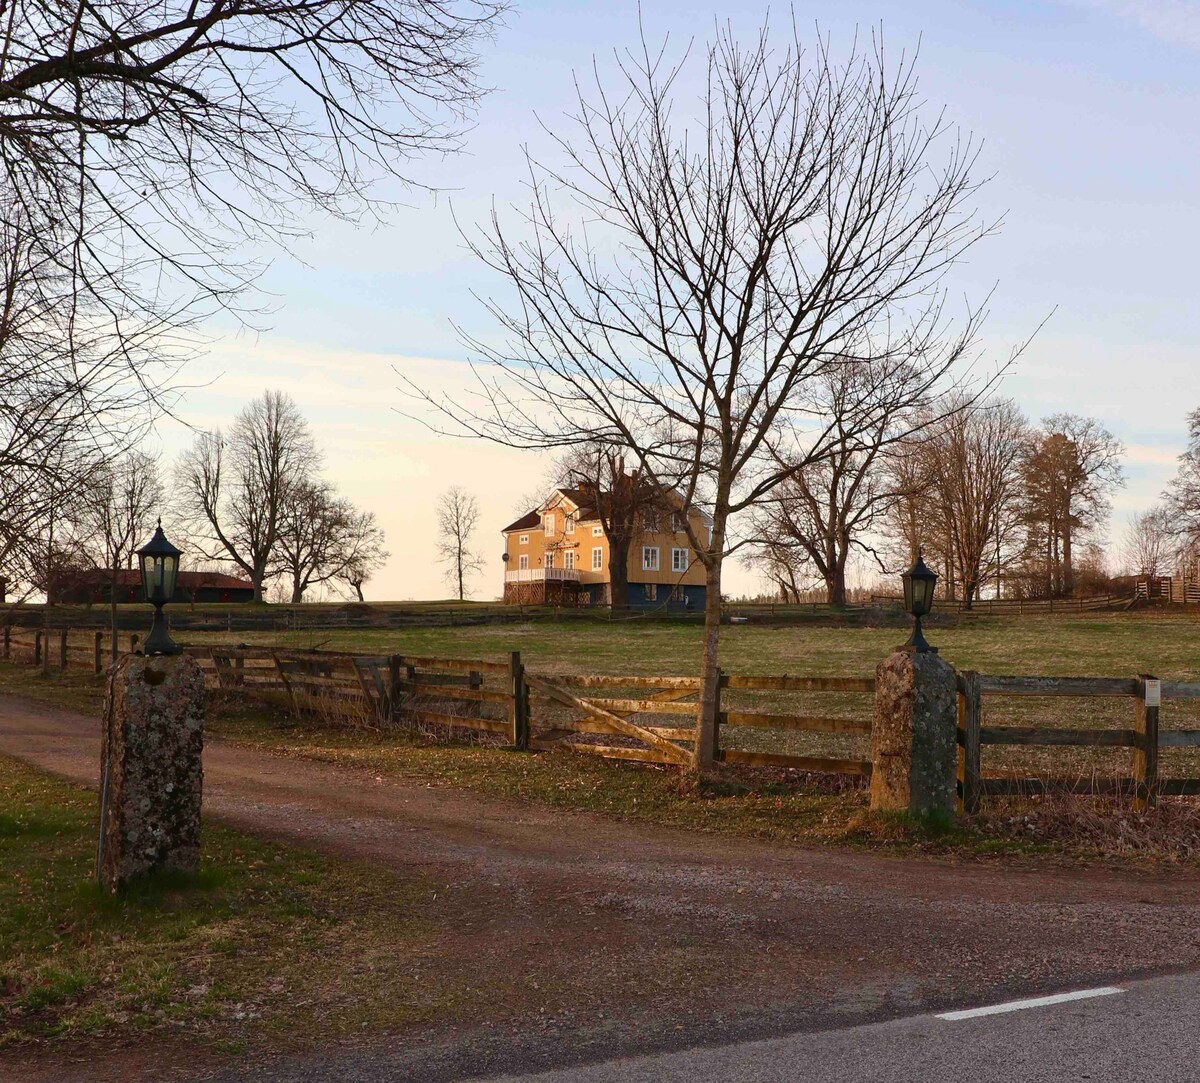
point(914, 734)
point(150, 771)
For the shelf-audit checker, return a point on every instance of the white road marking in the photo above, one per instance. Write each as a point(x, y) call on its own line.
point(1033, 1002)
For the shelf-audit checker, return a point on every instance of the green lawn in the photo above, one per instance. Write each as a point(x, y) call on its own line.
point(266, 938)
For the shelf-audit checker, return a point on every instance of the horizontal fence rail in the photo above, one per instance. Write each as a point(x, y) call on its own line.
point(1144, 738)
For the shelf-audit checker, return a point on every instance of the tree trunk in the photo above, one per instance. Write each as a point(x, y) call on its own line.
point(460, 573)
point(358, 590)
point(835, 585)
point(297, 592)
point(1068, 576)
point(112, 616)
point(618, 573)
point(706, 715)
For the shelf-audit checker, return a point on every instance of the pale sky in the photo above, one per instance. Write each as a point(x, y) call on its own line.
point(1087, 110)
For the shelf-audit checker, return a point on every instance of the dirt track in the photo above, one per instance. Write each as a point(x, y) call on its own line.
point(638, 936)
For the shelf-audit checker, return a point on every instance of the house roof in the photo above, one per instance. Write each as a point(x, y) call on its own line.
point(131, 577)
point(529, 519)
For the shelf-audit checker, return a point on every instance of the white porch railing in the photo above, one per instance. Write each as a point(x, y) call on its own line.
point(536, 575)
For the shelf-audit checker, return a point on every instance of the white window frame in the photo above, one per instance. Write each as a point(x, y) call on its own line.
point(650, 564)
point(569, 524)
point(650, 520)
point(597, 532)
point(598, 559)
point(569, 559)
point(678, 522)
point(523, 539)
point(547, 560)
point(651, 592)
point(548, 522)
point(523, 561)
point(680, 560)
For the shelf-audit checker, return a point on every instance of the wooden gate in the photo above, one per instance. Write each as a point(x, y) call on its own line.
point(611, 715)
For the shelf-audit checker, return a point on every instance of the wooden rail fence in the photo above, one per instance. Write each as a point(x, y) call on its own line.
point(651, 719)
point(63, 648)
point(1143, 737)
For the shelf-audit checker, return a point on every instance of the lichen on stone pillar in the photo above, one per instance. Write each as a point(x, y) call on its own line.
point(914, 735)
point(151, 775)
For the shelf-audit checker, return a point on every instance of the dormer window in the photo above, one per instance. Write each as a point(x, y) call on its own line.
point(548, 522)
point(678, 522)
point(569, 525)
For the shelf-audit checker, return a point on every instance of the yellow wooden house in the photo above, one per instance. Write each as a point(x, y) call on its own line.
point(558, 553)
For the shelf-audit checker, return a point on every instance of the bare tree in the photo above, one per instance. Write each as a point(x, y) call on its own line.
point(164, 137)
point(149, 150)
point(233, 490)
point(974, 458)
point(365, 553)
point(1182, 499)
point(707, 271)
point(1073, 465)
point(120, 503)
point(1148, 542)
point(322, 536)
point(830, 507)
point(457, 518)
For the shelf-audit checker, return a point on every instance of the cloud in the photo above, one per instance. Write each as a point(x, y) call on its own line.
point(1174, 21)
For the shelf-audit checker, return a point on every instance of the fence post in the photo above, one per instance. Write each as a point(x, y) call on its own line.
point(1145, 751)
point(7, 642)
point(519, 707)
point(968, 743)
point(475, 683)
point(62, 648)
point(393, 710)
point(37, 647)
point(97, 649)
point(716, 745)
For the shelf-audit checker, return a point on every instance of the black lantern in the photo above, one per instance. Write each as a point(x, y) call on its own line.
point(159, 561)
point(919, 582)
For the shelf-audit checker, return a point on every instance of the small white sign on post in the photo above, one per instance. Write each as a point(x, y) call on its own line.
point(1153, 693)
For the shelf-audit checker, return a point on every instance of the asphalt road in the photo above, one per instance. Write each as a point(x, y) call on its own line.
point(1147, 1031)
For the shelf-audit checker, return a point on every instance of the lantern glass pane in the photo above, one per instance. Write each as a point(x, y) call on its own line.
point(147, 563)
point(169, 570)
point(908, 592)
point(921, 589)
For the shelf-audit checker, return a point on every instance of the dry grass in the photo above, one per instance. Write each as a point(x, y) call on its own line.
point(267, 938)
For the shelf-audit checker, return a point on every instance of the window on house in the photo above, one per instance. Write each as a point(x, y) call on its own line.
point(649, 558)
point(678, 522)
point(548, 523)
point(523, 539)
point(569, 559)
point(651, 592)
point(679, 560)
point(523, 561)
point(597, 559)
point(569, 525)
point(597, 532)
point(677, 593)
point(548, 560)
point(649, 520)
